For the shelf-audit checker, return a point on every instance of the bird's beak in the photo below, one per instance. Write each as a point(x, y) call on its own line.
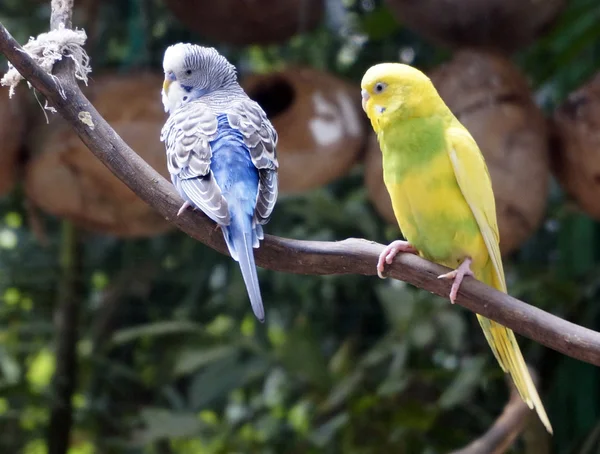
point(365, 97)
point(169, 78)
point(166, 85)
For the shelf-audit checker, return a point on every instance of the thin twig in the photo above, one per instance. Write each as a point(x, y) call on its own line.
point(69, 293)
point(66, 321)
point(505, 430)
point(351, 256)
point(61, 13)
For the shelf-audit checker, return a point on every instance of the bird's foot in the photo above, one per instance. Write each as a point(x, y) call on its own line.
point(390, 251)
point(184, 207)
point(458, 274)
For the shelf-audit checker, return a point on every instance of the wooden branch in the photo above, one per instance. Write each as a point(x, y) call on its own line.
point(351, 256)
point(505, 430)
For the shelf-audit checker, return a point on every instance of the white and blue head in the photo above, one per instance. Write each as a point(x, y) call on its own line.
point(192, 71)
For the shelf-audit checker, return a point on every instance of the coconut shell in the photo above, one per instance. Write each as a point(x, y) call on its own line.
point(65, 179)
point(506, 25)
point(12, 126)
point(576, 148)
point(320, 124)
point(492, 100)
point(243, 22)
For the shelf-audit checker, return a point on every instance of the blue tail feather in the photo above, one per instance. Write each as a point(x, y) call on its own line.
point(240, 238)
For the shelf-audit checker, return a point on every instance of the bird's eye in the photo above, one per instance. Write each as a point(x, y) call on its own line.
point(379, 86)
point(188, 72)
point(185, 98)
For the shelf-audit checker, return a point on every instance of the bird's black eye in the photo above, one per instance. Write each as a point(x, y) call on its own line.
point(379, 86)
point(185, 98)
point(188, 72)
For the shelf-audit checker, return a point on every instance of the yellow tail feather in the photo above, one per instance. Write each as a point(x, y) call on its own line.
point(508, 354)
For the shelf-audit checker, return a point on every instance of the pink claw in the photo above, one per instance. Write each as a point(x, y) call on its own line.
point(458, 274)
point(390, 251)
point(183, 208)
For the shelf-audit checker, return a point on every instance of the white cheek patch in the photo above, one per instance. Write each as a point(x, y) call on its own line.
point(174, 98)
point(165, 100)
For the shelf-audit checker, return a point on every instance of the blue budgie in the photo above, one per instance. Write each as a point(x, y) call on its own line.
point(220, 151)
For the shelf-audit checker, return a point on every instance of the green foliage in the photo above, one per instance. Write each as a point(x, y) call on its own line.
point(173, 360)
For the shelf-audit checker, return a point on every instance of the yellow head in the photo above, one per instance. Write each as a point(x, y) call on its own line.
point(395, 90)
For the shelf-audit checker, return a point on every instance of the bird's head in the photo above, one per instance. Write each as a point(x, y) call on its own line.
point(192, 71)
point(396, 90)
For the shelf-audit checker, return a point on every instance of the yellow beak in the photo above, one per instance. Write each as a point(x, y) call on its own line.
point(166, 85)
point(365, 97)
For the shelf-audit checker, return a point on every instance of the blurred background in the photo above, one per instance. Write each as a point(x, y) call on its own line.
point(149, 334)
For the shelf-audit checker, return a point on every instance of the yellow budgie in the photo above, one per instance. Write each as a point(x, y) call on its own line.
point(441, 195)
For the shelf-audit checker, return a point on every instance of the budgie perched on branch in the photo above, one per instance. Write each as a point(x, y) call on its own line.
point(442, 196)
point(220, 151)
